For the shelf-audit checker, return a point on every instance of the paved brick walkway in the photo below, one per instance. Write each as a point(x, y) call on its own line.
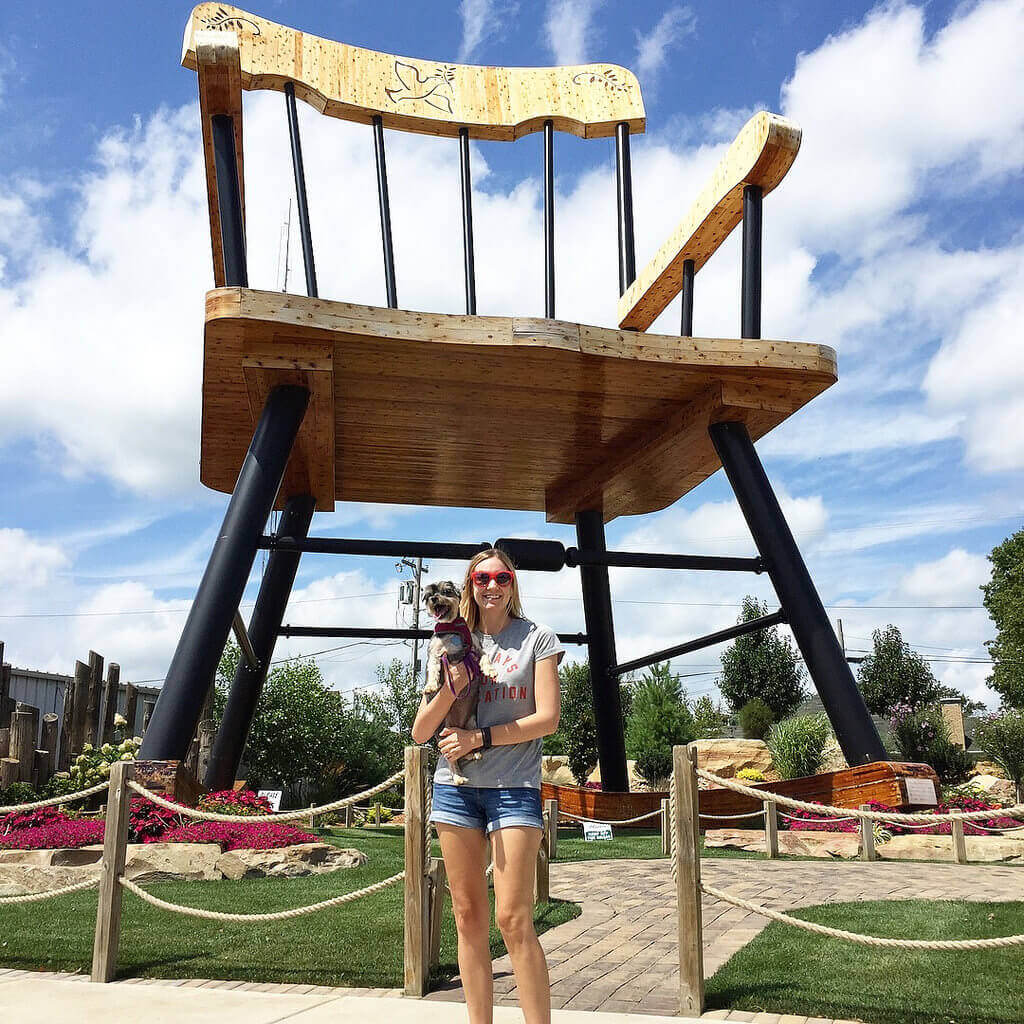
point(620, 955)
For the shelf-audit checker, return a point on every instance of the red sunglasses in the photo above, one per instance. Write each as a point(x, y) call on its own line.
point(503, 577)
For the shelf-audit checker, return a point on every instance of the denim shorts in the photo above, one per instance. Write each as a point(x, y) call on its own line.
point(485, 808)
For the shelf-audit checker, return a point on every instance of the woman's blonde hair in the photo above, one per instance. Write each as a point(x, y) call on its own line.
point(469, 608)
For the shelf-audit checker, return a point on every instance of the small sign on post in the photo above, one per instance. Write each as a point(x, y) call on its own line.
point(273, 798)
point(596, 830)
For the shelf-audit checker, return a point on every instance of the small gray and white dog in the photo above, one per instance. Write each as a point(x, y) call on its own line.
point(453, 642)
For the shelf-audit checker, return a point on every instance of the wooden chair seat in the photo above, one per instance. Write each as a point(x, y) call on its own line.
point(404, 404)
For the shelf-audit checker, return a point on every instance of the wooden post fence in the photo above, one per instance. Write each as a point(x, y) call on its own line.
point(666, 829)
point(92, 725)
point(49, 743)
point(347, 816)
point(110, 701)
point(5, 741)
point(551, 807)
point(687, 871)
point(24, 729)
point(959, 845)
point(9, 769)
point(771, 829)
point(417, 902)
point(867, 836)
point(131, 704)
point(79, 705)
point(542, 878)
point(115, 847)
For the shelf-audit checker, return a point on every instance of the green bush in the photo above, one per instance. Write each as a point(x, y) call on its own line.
point(755, 719)
point(923, 736)
point(19, 793)
point(660, 720)
point(798, 745)
point(1002, 738)
point(709, 720)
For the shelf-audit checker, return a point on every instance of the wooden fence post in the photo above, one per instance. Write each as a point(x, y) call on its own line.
point(92, 727)
point(959, 846)
point(49, 742)
point(148, 706)
point(5, 741)
point(131, 705)
point(417, 904)
point(666, 827)
point(771, 829)
point(542, 878)
point(438, 888)
point(9, 769)
point(110, 691)
point(79, 706)
point(347, 816)
point(688, 892)
point(551, 808)
point(115, 846)
point(5, 690)
point(867, 836)
point(24, 729)
point(67, 719)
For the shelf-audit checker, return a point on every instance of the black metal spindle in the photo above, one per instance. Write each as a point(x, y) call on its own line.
point(686, 321)
point(624, 182)
point(467, 221)
point(385, 211)
point(229, 201)
point(300, 190)
point(549, 219)
point(751, 308)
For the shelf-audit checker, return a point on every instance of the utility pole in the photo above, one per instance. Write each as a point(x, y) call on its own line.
point(418, 568)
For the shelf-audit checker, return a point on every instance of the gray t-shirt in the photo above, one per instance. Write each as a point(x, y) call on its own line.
point(514, 652)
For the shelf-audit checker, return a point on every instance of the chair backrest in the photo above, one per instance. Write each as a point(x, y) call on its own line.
point(232, 50)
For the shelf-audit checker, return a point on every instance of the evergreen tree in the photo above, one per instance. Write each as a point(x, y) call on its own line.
point(893, 676)
point(660, 719)
point(762, 665)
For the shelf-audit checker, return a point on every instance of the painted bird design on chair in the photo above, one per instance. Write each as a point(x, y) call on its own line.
point(435, 89)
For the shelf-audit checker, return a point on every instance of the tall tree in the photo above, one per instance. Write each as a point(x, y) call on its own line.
point(762, 665)
point(1004, 601)
point(893, 676)
point(660, 719)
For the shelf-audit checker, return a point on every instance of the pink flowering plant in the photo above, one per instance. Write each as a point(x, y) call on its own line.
point(47, 828)
point(230, 801)
point(259, 836)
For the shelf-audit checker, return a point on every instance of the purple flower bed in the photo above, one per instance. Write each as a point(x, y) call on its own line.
point(942, 828)
point(49, 828)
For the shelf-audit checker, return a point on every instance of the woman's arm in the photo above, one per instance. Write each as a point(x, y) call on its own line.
point(432, 711)
point(544, 721)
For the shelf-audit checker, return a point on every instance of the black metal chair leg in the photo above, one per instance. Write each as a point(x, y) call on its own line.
point(247, 686)
point(194, 664)
point(804, 611)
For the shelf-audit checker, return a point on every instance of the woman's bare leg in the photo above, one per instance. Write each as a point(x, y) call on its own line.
point(515, 865)
point(465, 861)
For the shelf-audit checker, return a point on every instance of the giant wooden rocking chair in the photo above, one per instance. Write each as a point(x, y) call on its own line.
point(305, 400)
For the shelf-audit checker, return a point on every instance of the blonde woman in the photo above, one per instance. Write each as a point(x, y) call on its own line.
point(500, 803)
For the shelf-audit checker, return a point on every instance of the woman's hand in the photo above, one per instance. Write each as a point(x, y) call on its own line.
point(455, 743)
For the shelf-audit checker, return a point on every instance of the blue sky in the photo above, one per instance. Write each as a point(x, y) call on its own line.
point(896, 239)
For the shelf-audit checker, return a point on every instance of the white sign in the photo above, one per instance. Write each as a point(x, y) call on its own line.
point(920, 791)
point(273, 797)
point(595, 830)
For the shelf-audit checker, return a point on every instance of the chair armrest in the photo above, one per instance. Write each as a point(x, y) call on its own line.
point(761, 154)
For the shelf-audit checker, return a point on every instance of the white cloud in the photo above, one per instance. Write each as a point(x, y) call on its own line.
point(569, 30)
point(652, 48)
point(26, 563)
point(481, 20)
point(952, 579)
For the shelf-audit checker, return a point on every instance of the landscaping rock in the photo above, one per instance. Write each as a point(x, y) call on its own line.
point(62, 858)
point(555, 770)
point(996, 790)
point(288, 861)
point(727, 757)
point(835, 845)
point(637, 784)
point(20, 878)
point(172, 862)
point(984, 849)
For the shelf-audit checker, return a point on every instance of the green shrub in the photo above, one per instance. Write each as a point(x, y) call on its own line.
point(1002, 738)
point(19, 793)
point(709, 720)
point(755, 719)
point(798, 745)
point(660, 720)
point(923, 736)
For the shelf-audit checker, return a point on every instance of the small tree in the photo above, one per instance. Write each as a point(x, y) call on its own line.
point(923, 736)
point(894, 676)
point(755, 718)
point(709, 719)
point(576, 737)
point(762, 665)
point(1002, 738)
point(660, 719)
point(1004, 601)
point(392, 704)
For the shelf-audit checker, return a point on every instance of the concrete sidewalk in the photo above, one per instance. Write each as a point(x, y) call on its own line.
point(36, 998)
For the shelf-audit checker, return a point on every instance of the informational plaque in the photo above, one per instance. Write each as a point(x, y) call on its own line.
point(920, 791)
point(595, 830)
point(273, 797)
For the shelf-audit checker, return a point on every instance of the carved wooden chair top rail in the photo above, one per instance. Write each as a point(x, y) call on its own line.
point(428, 96)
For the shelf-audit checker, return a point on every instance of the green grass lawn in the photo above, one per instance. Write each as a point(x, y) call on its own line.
point(357, 944)
point(787, 970)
